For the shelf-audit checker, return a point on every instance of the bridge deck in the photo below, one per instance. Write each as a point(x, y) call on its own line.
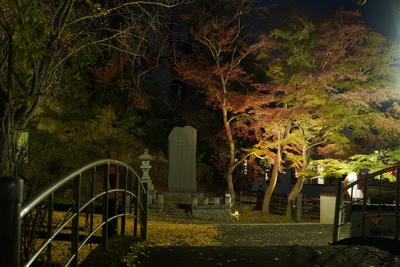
point(117, 247)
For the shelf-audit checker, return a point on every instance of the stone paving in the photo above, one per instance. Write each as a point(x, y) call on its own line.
point(269, 245)
point(275, 234)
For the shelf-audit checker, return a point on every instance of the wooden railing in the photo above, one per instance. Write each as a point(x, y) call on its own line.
point(112, 183)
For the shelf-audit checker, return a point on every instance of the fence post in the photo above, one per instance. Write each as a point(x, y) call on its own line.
point(11, 191)
point(143, 220)
point(338, 204)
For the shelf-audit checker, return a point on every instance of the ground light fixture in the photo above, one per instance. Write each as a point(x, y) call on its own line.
point(236, 215)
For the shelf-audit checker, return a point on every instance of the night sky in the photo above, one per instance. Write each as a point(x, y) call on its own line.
point(381, 15)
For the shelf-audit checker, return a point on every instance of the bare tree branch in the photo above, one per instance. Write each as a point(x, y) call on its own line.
point(135, 3)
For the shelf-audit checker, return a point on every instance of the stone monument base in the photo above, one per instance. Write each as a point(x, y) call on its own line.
point(197, 206)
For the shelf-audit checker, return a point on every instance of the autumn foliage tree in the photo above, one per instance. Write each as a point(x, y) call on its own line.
point(325, 87)
point(354, 68)
point(336, 70)
point(217, 68)
point(287, 62)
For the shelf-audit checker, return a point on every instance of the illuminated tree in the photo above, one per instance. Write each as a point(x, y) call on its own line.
point(217, 68)
point(355, 68)
point(289, 61)
point(335, 77)
point(310, 136)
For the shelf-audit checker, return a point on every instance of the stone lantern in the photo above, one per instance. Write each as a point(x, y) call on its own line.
point(145, 166)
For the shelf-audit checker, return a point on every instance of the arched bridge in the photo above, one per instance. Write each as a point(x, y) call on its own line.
point(85, 207)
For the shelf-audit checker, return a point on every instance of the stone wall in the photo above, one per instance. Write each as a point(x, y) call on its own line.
point(211, 212)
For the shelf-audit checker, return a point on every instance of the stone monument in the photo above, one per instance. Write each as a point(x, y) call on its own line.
point(182, 160)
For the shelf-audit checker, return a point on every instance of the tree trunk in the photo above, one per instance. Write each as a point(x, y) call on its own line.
point(229, 180)
point(231, 143)
point(272, 183)
point(299, 183)
point(231, 164)
point(7, 151)
point(8, 135)
point(293, 195)
point(7, 115)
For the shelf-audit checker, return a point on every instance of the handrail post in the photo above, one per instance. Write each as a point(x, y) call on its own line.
point(338, 204)
point(364, 208)
point(75, 221)
point(136, 209)
point(11, 191)
point(50, 208)
point(124, 196)
point(397, 220)
point(143, 219)
point(380, 191)
point(131, 188)
point(351, 203)
point(92, 190)
point(104, 229)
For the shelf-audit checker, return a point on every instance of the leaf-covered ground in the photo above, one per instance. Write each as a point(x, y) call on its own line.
point(162, 233)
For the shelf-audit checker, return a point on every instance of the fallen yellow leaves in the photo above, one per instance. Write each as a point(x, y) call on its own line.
point(61, 251)
point(180, 234)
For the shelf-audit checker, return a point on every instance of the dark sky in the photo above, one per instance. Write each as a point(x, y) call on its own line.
point(381, 15)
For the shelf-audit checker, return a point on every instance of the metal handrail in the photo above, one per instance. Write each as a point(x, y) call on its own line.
point(53, 187)
point(363, 180)
point(139, 197)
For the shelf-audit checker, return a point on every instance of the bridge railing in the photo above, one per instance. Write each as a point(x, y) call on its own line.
point(345, 202)
point(109, 187)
